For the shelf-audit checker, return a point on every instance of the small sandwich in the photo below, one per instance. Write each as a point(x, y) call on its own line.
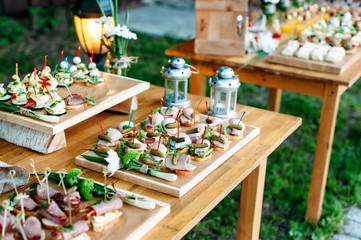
point(183, 141)
point(187, 117)
point(180, 163)
point(19, 99)
point(235, 130)
point(3, 93)
point(37, 101)
point(219, 142)
point(39, 192)
point(126, 129)
point(148, 137)
point(9, 219)
point(201, 151)
point(196, 133)
point(154, 156)
point(95, 79)
point(16, 86)
point(170, 112)
point(135, 146)
point(79, 65)
point(56, 108)
point(64, 79)
point(105, 214)
point(79, 76)
point(170, 126)
point(109, 140)
point(75, 101)
point(32, 229)
point(75, 231)
point(74, 203)
point(30, 206)
point(214, 123)
point(53, 217)
point(157, 121)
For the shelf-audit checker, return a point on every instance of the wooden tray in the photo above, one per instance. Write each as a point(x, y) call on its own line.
point(327, 67)
point(47, 137)
point(184, 183)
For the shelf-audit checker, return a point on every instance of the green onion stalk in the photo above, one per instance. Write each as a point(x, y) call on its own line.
point(130, 161)
point(27, 112)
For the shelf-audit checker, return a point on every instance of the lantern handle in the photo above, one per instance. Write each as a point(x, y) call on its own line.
point(196, 72)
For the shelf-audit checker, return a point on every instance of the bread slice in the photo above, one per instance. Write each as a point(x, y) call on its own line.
point(106, 149)
point(107, 223)
point(79, 106)
point(234, 137)
point(50, 224)
point(183, 172)
point(199, 159)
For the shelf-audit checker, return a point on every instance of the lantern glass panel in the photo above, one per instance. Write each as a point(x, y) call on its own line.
point(233, 101)
point(170, 88)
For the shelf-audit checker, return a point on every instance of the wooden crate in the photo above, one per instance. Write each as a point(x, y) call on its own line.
point(217, 27)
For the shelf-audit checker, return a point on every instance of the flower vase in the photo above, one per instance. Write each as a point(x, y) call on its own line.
point(116, 66)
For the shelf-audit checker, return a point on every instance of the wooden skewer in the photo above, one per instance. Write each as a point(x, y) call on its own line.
point(70, 191)
point(18, 224)
point(62, 176)
point(21, 198)
point(5, 205)
point(31, 162)
point(11, 175)
point(47, 172)
point(105, 170)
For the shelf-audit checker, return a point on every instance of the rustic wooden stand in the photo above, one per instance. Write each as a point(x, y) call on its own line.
point(277, 77)
point(118, 95)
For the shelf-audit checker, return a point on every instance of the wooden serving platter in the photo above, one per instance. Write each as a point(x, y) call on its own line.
point(47, 137)
point(184, 183)
point(327, 67)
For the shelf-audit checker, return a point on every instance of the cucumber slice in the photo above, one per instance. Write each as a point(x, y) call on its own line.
point(5, 98)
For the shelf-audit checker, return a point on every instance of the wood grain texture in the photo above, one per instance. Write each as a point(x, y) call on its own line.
point(193, 206)
point(116, 91)
point(348, 78)
point(320, 66)
point(198, 82)
point(221, 5)
point(127, 106)
point(323, 151)
point(250, 210)
point(274, 99)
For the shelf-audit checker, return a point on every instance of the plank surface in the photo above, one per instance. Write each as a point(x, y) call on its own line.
point(187, 211)
point(184, 183)
point(348, 78)
point(116, 91)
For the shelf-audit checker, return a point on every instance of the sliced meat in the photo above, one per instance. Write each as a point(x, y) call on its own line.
point(142, 148)
point(114, 134)
point(173, 111)
point(219, 144)
point(32, 228)
point(183, 163)
point(29, 204)
point(8, 236)
point(53, 213)
point(74, 99)
point(179, 145)
point(195, 136)
point(42, 192)
point(74, 199)
point(103, 143)
point(216, 123)
point(79, 227)
point(124, 123)
point(201, 150)
point(187, 116)
point(104, 207)
point(234, 131)
point(157, 120)
point(9, 219)
point(170, 131)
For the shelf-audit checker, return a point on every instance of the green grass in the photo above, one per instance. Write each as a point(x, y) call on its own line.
point(289, 167)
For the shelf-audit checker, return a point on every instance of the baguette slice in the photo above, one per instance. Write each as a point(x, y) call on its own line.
point(79, 106)
point(101, 223)
point(50, 224)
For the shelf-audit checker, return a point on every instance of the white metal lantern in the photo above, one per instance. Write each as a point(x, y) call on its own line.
point(176, 74)
point(224, 86)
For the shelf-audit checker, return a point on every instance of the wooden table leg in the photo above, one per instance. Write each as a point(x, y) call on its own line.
point(198, 82)
point(249, 219)
point(321, 161)
point(274, 99)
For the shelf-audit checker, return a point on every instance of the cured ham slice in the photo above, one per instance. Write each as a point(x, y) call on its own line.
point(235, 131)
point(195, 136)
point(172, 113)
point(142, 148)
point(187, 117)
point(74, 99)
point(216, 122)
point(179, 145)
point(41, 191)
point(79, 227)
point(170, 131)
point(203, 149)
point(9, 219)
point(157, 120)
point(219, 144)
point(104, 207)
point(8, 236)
point(183, 163)
point(53, 213)
point(124, 123)
point(29, 204)
point(74, 200)
point(32, 228)
point(104, 143)
point(114, 134)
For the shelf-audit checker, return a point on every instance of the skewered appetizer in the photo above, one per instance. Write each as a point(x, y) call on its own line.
point(235, 129)
point(180, 163)
point(170, 112)
point(79, 76)
point(37, 100)
point(170, 126)
point(53, 217)
point(188, 118)
point(75, 101)
point(77, 231)
point(16, 86)
point(3, 93)
point(64, 79)
point(126, 129)
point(196, 133)
point(30, 206)
point(19, 99)
point(219, 141)
point(109, 140)
point(214, 123)
point(201, 150)
point(79, 65)
point(135, 145)
point(56, 108)
point(148, 137)
point(182, 141)
point(95, 79)
point(32, 229)
point(148, 124)
point(157, 153)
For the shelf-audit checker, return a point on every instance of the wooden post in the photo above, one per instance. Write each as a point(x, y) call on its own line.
point(274, 99)
point(198, 82)
point(249, 220)
point(127, 106)
point(321, 161)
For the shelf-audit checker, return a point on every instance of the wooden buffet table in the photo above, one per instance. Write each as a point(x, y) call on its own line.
point(247, 166)
point(278, 77)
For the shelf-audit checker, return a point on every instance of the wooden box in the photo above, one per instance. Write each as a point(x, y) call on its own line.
point(218, 32)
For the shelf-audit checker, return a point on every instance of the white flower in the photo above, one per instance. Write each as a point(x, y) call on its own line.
point(113, 162)
point(115, 30)
point(106, 20)
point(127, 34)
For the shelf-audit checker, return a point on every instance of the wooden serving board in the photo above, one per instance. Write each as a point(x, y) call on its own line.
point(184, 183)
point(327, 67)
point(47, 137)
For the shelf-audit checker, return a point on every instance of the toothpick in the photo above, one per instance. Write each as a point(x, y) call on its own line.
point(130, 119)
point(78, 52)
point(46, 56)
point(47, 172)
point(160, 137)
point(5, 204)
point(56, 67)
point(71, 190)
point(177, 115)
point(101, 128)
point(133, 134)
point(35, 73)
point(62, 176)
point(220, 131)
point(92, 55)
point(199, 103)
point(151, 114)
point(62, 55)
point(194, 118)
point(240, 120)
point(170, 100)
point(31, 162)
point(204, 133)
point(36, 95)
point(71, 95)
point(21, 198)
point(11, 175)
point(105, 170)
point(175, 149)
point(18, 224)
point(48, 92)
point(16, 69)
point(178, 129)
